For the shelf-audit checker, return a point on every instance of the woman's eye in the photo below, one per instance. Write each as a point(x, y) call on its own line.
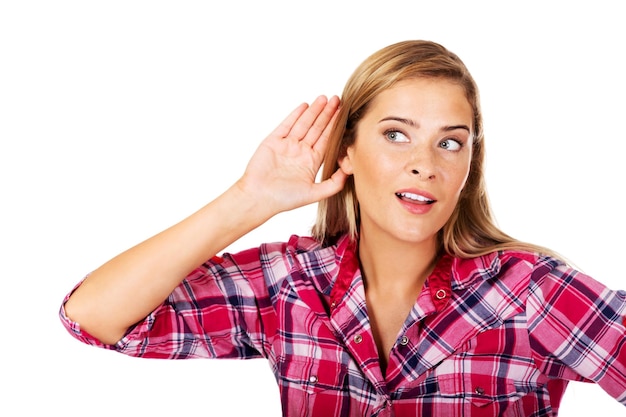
point(395, 136)
point(450, 145)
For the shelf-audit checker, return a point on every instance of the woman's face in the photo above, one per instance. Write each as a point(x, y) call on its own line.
point(410, 159)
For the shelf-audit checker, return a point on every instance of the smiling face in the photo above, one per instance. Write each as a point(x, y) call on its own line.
point(410, 160)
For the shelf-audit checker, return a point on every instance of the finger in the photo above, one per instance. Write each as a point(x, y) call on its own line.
point(283, 129)
point(320, 144)
point(323, 123)
point(306, 120)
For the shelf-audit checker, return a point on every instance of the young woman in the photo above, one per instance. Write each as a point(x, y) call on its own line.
point(406, 300)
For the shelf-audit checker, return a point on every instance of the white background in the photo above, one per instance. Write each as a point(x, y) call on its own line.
point(119, 118)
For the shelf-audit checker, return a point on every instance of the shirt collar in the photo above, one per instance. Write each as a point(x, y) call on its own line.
point(439, 282)
point(348, 262)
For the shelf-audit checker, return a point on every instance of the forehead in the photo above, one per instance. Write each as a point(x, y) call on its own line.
point(427, 97)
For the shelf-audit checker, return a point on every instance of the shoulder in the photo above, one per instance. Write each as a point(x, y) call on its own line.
point(280, 255)
point(511, 265)
point(295, 246)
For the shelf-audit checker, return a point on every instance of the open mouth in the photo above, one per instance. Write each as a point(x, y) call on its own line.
point(415, 198)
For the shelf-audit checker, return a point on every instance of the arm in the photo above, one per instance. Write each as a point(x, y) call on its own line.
point(281, 175)
point(577, 328)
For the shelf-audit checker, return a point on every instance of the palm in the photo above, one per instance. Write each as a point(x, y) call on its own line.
point(283, 169)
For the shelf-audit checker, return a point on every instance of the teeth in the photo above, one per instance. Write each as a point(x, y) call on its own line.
point(415, 197)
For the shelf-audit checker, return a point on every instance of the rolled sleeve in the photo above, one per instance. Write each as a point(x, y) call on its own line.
point(213, 313)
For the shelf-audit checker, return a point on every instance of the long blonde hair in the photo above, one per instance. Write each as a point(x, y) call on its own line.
point(470, 231)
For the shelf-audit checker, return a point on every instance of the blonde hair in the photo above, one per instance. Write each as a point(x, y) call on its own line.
point(470, 231)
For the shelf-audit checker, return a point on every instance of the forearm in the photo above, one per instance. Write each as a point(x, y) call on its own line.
point(128, 287)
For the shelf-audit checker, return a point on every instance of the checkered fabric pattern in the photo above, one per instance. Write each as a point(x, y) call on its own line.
point(496, 335)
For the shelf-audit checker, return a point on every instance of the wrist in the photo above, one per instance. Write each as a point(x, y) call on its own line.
point(243, 210)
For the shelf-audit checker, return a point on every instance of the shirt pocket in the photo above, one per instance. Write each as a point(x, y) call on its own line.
point(484, 395)
point(313, 387)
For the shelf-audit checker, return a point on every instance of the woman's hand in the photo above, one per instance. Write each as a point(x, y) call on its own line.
point(281, 173)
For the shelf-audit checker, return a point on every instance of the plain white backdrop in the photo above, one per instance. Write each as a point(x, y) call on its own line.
point(119, 118)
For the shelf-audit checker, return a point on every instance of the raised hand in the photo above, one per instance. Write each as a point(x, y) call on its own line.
point(281, 173)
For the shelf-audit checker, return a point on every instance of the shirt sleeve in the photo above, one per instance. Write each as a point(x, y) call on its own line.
point(577, 327)
point(220, 310)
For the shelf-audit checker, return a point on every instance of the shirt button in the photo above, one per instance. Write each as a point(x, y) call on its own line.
point(479, 390)
point(404, 341)
point(312, 379)
point(333, 304)
point(440, 294)
point(358, 338)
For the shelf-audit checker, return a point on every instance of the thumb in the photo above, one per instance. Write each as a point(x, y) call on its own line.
point(331, 186)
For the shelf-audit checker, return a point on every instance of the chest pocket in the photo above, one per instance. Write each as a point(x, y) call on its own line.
point(484, 395)
point(313, 387)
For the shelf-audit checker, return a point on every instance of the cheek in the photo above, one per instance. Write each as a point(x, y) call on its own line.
point(363, 163)
point(463, 177)
point(457, 173)
point(375, 175)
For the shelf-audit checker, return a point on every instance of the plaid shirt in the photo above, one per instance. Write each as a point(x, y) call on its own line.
point(496, 335)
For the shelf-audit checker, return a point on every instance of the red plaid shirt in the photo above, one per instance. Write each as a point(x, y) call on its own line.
point(497, 335)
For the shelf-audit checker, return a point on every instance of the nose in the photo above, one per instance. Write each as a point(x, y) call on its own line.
point(422, 164)
point(419, 174)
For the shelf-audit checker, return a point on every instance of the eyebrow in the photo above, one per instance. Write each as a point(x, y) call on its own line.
point(414, 124)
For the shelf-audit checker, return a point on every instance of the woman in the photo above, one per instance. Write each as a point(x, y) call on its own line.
point(407, 300)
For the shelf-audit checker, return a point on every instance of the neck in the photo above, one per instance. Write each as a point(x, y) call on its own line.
point(391, 265)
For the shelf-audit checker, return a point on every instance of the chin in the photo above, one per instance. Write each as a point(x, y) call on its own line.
point(416, 237)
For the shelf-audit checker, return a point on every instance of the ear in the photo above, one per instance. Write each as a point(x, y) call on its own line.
point(345, 162)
